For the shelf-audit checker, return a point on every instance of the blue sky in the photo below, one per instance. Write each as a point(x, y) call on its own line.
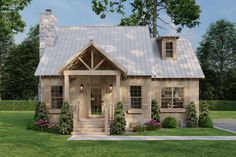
point(79, 12)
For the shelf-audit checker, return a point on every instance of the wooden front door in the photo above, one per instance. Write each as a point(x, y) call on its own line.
point(96, 102)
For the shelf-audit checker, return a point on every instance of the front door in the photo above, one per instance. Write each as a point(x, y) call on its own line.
point(96, 102)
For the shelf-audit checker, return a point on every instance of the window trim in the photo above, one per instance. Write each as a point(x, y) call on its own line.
point(141, 104)
point(57, 97)
point(172, 97)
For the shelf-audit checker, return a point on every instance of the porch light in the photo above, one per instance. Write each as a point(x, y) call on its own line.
point(81, 88)
point(110, 88)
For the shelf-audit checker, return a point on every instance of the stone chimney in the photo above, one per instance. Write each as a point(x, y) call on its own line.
point(47, 28)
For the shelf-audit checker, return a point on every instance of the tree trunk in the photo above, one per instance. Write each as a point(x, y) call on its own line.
point(154, 25)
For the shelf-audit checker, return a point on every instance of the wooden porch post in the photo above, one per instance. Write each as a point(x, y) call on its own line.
point(66, 88)
point(118, 87)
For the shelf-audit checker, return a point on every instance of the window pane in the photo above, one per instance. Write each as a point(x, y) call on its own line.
point(169, 53)
point(169, 45)
point(166, 97)
point(136, 96)
point(56, 96)
point(178, 100)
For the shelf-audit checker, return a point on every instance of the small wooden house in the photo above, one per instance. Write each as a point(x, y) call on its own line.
point(94, 67)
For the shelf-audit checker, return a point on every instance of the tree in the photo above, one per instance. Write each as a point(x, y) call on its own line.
point(118, 123)
point(155, 110)
point(18, 80)
point(65, 120)
point(218, 60)
point(192, 119)
point(147, 12)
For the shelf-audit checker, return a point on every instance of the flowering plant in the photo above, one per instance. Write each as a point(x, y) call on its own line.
point(152, 125)
point(42, 123)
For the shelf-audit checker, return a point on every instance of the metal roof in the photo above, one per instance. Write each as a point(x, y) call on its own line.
point(132, 47)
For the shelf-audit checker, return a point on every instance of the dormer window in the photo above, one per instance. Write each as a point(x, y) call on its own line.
point(169, 49)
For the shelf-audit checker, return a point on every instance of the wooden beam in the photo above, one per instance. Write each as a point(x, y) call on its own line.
point(118, 87)
point(92, 59)
point(92, 72)
point(66, 88)
point(84, 63)
point(99, 63)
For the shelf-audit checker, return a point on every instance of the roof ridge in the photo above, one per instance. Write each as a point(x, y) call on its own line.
point(96, 26)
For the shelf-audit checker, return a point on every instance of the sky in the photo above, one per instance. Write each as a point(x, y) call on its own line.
point(79, 12)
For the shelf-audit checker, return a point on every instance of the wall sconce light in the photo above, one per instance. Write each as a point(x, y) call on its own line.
point(81, 88)
point(110, 88)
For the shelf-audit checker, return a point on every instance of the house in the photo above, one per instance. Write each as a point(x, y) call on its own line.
point(94, 67)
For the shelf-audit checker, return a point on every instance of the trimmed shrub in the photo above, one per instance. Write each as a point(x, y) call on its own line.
point(155, 110)
point(192, 119)
point(140, 128)
point(221, 105)
point(169, 122)
point(118, 123)
point(152, 125)
point(41, 113)
point(17, 105)
point(65, 120)
point(206, 122)
point(36, 112)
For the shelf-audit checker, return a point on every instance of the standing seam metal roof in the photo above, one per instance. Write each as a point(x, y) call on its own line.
point(130, 46)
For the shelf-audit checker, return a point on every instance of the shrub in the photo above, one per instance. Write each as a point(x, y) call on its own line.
point(169, 122)
point(17, 105)
point(152, 125)
point(65, 120)
point(139, 128)
point(41, 113)
point(206, 122)
point(118, 123)
point(32, 126)
point(221, 105)
point(155, 110)
point(36, 112)
point(203, 109)
point(192, 119)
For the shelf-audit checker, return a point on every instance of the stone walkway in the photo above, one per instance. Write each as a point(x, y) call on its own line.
point(149, 138)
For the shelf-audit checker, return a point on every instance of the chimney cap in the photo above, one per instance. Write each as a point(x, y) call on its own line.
point(48, 10)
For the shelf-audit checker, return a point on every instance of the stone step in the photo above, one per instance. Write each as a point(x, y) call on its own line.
point(90, 129)
point(92, 133)
point(90, 124)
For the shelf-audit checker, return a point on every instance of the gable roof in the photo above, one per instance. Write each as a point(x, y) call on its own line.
point(129, 46)
point(91, 43)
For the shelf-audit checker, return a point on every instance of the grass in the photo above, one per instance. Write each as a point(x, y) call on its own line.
point(223, 114)
point(16, 141)
point(185, 132)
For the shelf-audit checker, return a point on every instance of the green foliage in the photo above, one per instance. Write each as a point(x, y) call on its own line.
point(206, 122)
point(42, 112)
point(65, 120)
point(169, 122)
point(37, 108)
point(118, 123)
point(216, 54)
point(203, 110)
point(221, 105)
point(52, 129)
point(139, 128)
point(182, 12)
point(192, 119)
point(155, 110)
point(18, 80)
point(17, 105)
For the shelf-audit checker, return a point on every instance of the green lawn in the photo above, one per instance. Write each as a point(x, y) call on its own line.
point(16, 141)
point(185, 132)
point(223, 114)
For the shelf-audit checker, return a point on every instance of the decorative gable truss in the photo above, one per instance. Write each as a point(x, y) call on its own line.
point(92, 58)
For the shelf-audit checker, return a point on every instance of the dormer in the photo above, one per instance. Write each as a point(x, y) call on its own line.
point(168, 46)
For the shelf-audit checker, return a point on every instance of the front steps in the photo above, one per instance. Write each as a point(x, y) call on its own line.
point(91, 126)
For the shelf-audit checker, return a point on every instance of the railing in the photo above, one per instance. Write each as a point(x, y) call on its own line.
point(106, 118)
point(75, 116)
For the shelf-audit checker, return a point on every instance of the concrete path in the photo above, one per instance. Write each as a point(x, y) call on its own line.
point(149, 138)
point(225, 124)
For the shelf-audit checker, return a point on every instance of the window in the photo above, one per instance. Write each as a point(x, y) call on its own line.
point(56, 96)
point(136, 96)
point(169, 49)
point(172, 97)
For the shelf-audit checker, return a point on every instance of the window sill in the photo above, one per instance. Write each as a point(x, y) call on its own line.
point(173, 110)
point(135, 111)
point(54, 111)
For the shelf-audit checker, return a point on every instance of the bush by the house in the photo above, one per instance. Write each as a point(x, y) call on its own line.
point(32, 126)
point(65, 121)
point(221, 105)
point(206, 122)
point(36, 111)
point(192, 119)
point(139, 128)
point(169, 122)
point(17, 105)
point(118, 123)
point(155, 110)
point(152, 125)
point(41, 113)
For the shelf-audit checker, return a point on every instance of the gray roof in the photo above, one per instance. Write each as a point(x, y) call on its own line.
point(132, 47)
